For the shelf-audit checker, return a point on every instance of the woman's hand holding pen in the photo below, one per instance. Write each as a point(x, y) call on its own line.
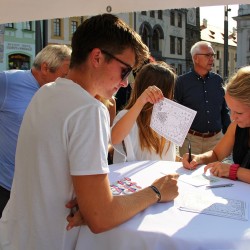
point(190, 165)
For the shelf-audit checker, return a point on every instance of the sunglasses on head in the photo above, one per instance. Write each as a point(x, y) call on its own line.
point(125, 72)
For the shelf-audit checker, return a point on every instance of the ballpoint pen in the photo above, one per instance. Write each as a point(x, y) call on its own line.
point(189, 151)
point(220, 185)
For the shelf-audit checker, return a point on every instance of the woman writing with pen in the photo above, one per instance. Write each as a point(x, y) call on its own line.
point(237, 138)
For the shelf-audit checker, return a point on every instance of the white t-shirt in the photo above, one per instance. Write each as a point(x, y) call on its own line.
point(133, 148)
point(65, 132)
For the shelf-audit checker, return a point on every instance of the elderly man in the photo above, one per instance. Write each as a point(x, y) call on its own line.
point(17, 87)
point(201, 90)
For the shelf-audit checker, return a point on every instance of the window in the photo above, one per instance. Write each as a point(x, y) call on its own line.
point(57, 27)
point(179, 70)
point(74, 25)
point(173, 66)
point(144, 32)
point(179, 46)
point(155, 40)
point(179, 16)
point(160, 14)
point(152, 14)
point(217, 54)
point(172, 45)
point(144, 13)
point(172, 18)
point(9, 25)
point(28, 25)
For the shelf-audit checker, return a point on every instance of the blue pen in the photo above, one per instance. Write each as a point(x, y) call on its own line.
point(220, 185)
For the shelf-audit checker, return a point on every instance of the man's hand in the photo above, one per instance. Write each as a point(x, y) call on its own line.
point(167, 186)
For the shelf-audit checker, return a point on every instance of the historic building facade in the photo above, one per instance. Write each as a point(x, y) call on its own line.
point(193, 34)
point(215, 35)
point(163, 31)
point(243, 30)
point(169, 34)
point(17, 48)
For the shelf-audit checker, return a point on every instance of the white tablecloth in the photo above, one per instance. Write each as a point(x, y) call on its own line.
point(165, 226)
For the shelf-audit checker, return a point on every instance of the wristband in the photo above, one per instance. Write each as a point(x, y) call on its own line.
point(155, 189)
point(233, 171)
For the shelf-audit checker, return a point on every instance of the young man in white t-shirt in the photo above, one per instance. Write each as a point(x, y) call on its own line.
point(63, 146)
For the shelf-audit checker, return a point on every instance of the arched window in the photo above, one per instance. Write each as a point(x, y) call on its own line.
point(19, 61)
point(145, 33)
point(156, 37)
point(155, 40)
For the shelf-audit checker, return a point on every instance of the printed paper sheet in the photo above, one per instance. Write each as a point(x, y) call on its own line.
point(172, 120)
point(202, 179)
point(217, 206)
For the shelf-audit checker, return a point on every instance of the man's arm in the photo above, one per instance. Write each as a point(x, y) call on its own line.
point(222, 149)
point(225, 117)
point(3, 88)
point(103, 211)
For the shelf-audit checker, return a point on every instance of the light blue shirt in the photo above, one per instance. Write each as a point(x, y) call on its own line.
point(17, 87)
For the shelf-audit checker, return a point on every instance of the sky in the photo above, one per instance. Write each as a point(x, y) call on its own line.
point(215, 16)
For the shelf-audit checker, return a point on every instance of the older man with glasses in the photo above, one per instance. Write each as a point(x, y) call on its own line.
point(201, 90)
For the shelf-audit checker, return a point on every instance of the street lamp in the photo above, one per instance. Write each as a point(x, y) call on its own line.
point(226, 41)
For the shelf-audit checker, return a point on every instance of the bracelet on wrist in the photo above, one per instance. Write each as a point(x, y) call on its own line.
point(233, 171)
point(155, 189)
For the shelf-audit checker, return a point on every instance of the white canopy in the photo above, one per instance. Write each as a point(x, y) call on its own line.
point(28, 10)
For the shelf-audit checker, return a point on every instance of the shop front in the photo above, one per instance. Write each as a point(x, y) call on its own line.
point(17, 56)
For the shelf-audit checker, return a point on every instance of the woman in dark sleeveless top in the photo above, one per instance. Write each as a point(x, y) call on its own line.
point(241, 150)
point(236, 141)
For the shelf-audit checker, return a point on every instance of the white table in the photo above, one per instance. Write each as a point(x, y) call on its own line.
point(165, 226)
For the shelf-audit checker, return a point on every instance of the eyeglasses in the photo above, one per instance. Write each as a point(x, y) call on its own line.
point(125, 72)
point(209, 56)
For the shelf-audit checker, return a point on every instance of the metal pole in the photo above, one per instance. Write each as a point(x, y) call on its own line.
point(226, 42)
point(45, 33)
point(38, 44)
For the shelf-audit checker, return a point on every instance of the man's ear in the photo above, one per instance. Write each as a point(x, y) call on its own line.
point(96, 57)
point(195, 58)
point(44, 68)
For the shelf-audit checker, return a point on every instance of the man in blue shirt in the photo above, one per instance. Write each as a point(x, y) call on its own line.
point(202, 90)
point(17, 87)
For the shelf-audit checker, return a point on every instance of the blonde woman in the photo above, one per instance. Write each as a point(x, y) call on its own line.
point(131, 135)
point(237, 138)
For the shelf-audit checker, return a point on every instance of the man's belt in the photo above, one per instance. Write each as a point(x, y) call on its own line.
point(203, 135)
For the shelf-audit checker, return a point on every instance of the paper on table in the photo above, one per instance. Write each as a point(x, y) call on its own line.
point(217, 206)
point(201, 179)
point(172, 120)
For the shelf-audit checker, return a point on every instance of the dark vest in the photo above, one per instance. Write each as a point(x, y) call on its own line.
point(241, 150)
